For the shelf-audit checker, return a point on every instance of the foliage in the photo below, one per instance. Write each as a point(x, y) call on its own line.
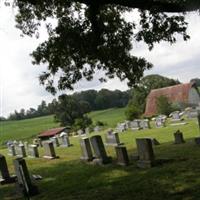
point(148, 83)
point(100, 123)
point(87, 36)
point(89, 100)
point(132, 111)
point(196, 81)
point(82, 123)
point(163, 105)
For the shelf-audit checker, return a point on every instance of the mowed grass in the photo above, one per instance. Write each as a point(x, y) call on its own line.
point(25, 129)
point(67, 178)
point(110, 116)
point(28, 129)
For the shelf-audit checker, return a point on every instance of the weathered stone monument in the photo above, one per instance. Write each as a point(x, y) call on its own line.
point(21, 151)
point(112, 138)
point(178, 136)
point(145, 153)
point(121, 127)
point(159, 122)
point(86, 149)
point(55, 141)
point(144, 124)
point(135, 125)
point(23, 178)
point(175, 116)
point(122, 155)
point(65, 141)
point(99, 150)
point(33, 151)
point(11, 150)
point(49, 150)
point(5, 175)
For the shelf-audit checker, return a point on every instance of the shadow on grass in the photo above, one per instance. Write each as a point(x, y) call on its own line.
point(178, 179)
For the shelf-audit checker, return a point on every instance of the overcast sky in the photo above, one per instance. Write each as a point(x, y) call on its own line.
point(19, 85)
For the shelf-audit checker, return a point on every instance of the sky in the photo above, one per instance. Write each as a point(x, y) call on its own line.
point(19, 85)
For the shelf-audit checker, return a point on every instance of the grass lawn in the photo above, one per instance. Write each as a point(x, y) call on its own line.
point(67, 178)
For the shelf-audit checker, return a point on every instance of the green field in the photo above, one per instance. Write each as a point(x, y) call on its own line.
point(67, 178)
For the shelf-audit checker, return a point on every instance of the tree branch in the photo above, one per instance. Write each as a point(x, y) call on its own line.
point(155, 5)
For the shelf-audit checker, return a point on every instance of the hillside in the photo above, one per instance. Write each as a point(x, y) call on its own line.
point(26, 129)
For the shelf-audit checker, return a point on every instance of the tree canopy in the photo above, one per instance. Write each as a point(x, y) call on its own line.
point(96, 35)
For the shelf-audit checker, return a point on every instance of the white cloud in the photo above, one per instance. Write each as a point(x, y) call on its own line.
point(19, 78)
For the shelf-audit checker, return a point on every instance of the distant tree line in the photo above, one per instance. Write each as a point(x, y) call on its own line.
point(86, 101)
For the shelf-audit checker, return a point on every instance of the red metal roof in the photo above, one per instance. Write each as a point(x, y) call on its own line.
point(51, 132)
point(177, 93)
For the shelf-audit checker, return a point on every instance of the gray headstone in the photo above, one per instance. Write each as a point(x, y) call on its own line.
point(49, 150)
point(33, 151)
point(122, 155)
point(135, 125)
point(55, 141)
point(99, 150)
point(145, 153)
point(23, 178)
point(159, 122)
point(5, 175)
point(144, 124)
point(175, 116)
point(11, 150)
point(86, 149)
point(65, 141)
point(21, 151)
point(178, 136)
point(112, 138)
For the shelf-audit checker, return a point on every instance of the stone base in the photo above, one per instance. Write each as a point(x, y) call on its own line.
point(99, 161)
point(50, 158)
point(114, 145)
point(11, 179)
point(145, 164)
point(86, 159)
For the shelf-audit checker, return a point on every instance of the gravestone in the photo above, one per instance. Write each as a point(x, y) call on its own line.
point(112, 138)
point(145, 153)
point(144, 124)
point(191, 113)
point(178, 136)
point(121, 127)
point(11, 150)
point(49, 150)
point(80, 132)
point(122, 155)
point(175, 116)
point(135, 125)
point(26, 145)
point(97, 129)
point(55, 141)
point(86, 149)
point(65, 141)
point(99, 150)
point(5, 175)
point(159, 122)
point(21, 151)
point(33, 151)
point(23, 178)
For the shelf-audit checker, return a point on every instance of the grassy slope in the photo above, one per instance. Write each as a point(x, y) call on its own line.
point(68, 178)
point(25, 129)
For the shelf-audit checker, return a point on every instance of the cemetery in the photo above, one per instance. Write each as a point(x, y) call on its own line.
point(106, 162)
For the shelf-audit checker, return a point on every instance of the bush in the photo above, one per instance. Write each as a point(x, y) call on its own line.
point(132, 111)
point(163, 105)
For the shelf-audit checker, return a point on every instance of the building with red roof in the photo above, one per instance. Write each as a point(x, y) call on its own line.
point(52, 132)
point(186, 93)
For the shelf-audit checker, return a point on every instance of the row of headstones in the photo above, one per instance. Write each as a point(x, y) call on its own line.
point(22, 177)
point(146, 157)
point(21, 150)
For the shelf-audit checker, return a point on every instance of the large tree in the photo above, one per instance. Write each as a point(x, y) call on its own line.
point(90, 35)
